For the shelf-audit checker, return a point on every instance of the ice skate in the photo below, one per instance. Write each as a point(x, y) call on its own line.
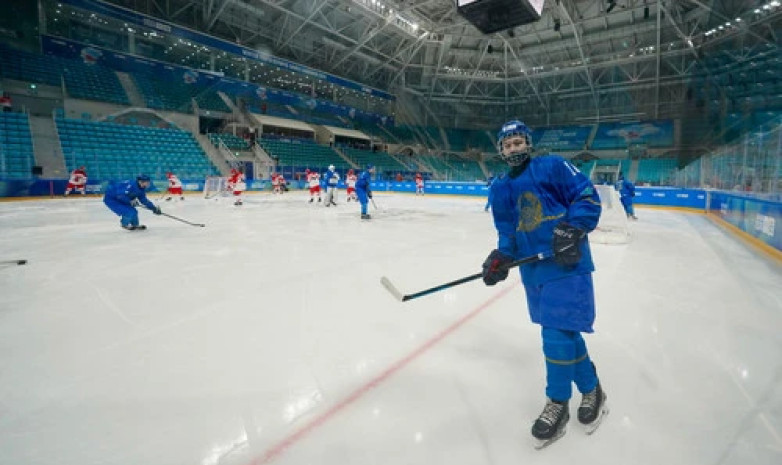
point(130, 227)
point(550, 425)
point(311, 199)
point(319, 199)
point(365, 216)
point(592, 409)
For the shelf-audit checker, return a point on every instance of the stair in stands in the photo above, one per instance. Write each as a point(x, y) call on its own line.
point(131, 90)
point(47, 149)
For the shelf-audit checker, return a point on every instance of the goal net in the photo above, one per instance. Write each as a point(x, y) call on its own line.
point(216, 187)
point(613, 226)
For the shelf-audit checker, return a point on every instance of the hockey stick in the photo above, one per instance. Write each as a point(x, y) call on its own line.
point(11, 262)
point(373, 203)
point(405, 297)
point(200, 225)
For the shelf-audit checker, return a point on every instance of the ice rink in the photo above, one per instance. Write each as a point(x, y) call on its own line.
point(265, 337)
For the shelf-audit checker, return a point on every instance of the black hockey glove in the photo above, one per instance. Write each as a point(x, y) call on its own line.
point(495, 267)
point(565, 244)
point(157, 210)
point(135, 203)
point(369, 194)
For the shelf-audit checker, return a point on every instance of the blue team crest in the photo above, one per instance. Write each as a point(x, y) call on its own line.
point(190, 76)
point(90, 55)
point(261, 93)
point(530, 212)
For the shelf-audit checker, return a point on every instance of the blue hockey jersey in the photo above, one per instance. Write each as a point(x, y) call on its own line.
point(363, 181)
point(625, 188)
point(527, 208)
point(331, 178)
point(125, 192)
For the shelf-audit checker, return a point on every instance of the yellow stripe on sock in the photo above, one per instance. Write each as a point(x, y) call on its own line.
point(566, 362)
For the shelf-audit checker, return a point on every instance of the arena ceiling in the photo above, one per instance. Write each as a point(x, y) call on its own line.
point(584, 59)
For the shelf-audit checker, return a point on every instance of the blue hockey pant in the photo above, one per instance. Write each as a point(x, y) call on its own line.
point(128, 215)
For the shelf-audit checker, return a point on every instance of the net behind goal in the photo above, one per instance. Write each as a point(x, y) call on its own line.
point(216, 187)
point(613, 227)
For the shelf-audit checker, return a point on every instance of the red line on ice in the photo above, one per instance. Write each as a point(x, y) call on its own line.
point(280, 447)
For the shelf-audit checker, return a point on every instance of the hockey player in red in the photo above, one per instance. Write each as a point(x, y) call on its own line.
point(78, 181)
point(350, 182)
point(174, 187)
point(313, 179)
point(276, 183)
point(419, 184)
point(283, 183)
point(237, 185)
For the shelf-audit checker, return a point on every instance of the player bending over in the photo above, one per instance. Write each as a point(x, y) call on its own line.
point(124, 196)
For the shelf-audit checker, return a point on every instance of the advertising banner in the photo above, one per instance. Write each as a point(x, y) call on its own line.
point(625, 135)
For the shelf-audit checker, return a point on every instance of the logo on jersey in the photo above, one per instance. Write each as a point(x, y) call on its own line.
point(530, 212)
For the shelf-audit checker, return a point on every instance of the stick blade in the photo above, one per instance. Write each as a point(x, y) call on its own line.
point(392, 289)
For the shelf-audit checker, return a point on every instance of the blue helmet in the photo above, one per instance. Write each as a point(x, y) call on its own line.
point(143, 177)
point(370, 167)
point(515, 128)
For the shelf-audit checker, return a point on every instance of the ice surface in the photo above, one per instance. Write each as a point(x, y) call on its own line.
point(266, 337)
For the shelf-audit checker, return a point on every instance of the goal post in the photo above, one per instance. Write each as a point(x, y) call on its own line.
point(216, 187)
point(613, 227)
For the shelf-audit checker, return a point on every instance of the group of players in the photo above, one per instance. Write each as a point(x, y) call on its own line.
point(543, 208)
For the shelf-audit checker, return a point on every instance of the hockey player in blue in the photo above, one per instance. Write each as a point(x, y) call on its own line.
point(122, 198)
point(332, 180)
point(626, 194)
point(545, 205)
point(363, 190)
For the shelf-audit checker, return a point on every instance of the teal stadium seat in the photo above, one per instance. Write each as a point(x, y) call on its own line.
point(141, 150)
point(16, 146)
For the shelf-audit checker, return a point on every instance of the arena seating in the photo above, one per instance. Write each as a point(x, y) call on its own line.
point(172, 95)
point(143, 150)
point(16, 146)
point(84, 81)
point(231, 141)
point(303, 155)
point(383, 162)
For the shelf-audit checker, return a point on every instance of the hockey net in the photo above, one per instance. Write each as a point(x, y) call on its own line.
point(216, 187)
point(613, 227)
